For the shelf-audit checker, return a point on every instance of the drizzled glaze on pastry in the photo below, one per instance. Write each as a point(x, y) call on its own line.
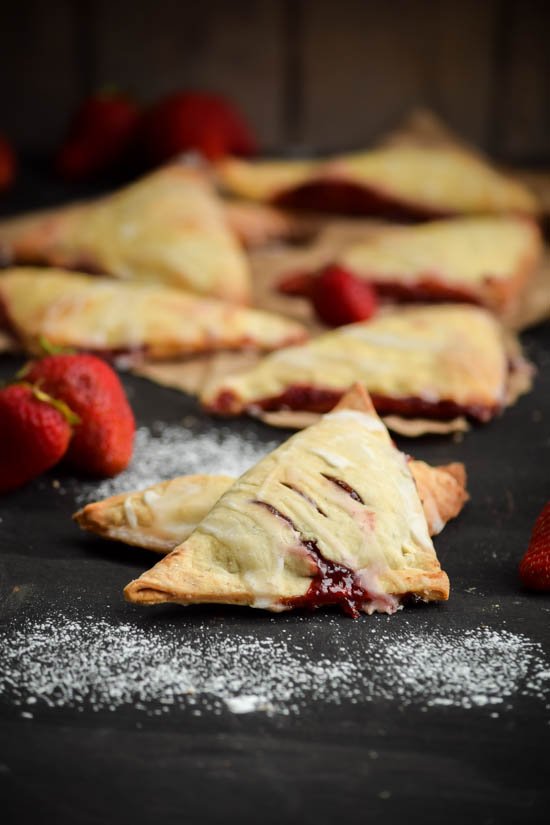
point(169, 227)
point(294, 531)
point(165, 514)
point(430, 361)
point(400, 181)
point(107, 316)
point(332, 583)
point(483, 260)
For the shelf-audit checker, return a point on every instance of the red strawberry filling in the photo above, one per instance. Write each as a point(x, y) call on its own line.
point(423, 290)
point(333, 584)
point(306, 398)
point(348, 198)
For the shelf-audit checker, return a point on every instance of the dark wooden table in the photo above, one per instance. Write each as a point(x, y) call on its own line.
point(354, 762)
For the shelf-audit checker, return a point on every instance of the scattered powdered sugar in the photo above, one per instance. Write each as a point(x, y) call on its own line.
point(165, 451)
point(88, 663)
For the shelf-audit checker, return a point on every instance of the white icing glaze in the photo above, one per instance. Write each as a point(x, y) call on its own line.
point(366, 419)
point(150, 497)
point(130, 513)
point(333, 459)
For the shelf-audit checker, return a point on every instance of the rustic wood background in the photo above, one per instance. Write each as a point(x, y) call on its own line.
point(321, 74)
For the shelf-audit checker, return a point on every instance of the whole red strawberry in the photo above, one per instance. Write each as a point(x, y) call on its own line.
point(195, 120)
point(103, 441)
point(35, 431)
point(99, 134)
point(340, 298)
point(8, 163)
point(534, 568)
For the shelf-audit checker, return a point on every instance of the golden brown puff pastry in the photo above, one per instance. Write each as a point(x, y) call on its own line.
point(158, 518)
point(435, 361)
point(257, 224)
point(401, 180)
point(168, 227)
point(104, 315)
point(332, 516)
point(165, 514)
point(483, 259)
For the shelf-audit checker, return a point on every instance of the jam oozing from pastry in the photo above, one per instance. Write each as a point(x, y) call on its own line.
point(296, 283)
point(332, 584)
point(344, 486)
point(423, 290)
point(307, 398)
point(348, 198)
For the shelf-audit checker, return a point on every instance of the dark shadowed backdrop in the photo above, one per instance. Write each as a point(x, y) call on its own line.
point(308, 73)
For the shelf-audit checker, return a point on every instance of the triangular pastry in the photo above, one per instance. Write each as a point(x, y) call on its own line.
point(257, 224)
point(159, 517)
point(397, 181)
point(165, 514)
point(114, 317)
point(485, 260)
point(168, 227)
point(330, 517)
point(437, 361)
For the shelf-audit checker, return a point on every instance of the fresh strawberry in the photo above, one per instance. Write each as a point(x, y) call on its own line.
point(195, 120)
point(103, 441)
point(35, 431)
point(8, 164)
point(534, 568)
point(340, 298)
point(99, 134)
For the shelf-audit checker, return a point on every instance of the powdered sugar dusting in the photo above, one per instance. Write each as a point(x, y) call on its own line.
point(88, 663)
point(165, 451)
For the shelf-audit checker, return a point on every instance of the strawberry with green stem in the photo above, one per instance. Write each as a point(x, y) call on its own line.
point(35, 433)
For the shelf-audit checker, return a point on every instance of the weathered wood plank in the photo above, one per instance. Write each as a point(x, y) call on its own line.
point(40, 80)
point(367, 64)
point(234, 48)
point(523, 105)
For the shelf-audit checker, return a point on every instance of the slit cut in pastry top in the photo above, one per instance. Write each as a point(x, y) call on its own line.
point(294, 532)
point(162, 516)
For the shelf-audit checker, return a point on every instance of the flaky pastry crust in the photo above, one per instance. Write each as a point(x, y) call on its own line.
point(165, 514)
point(169, 227)
point(398, 180)
point(485, 260)
point(331, 516)
point(144, 320)
point(437, 361)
